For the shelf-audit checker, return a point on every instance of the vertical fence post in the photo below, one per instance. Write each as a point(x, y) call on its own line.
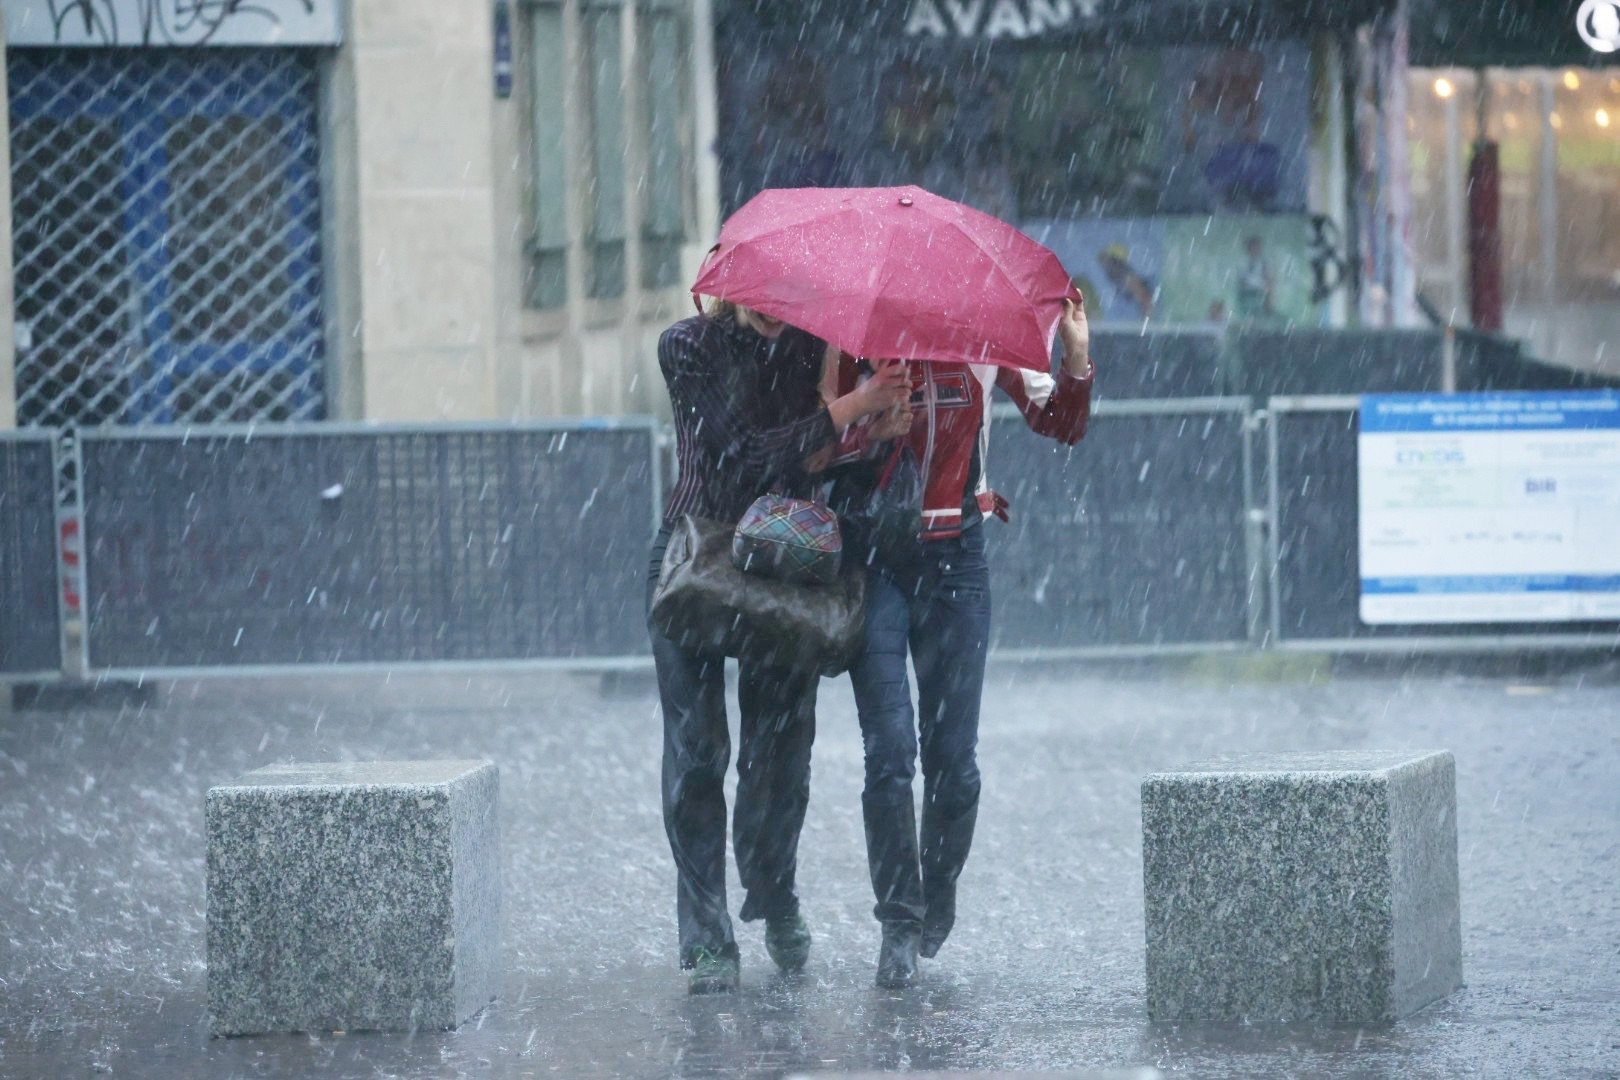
point(1254, 522)
point(1547, 209)
point(70, 505)
point(1274, 540)
point(59, 586)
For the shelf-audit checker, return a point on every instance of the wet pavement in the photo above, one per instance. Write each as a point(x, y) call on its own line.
point(101, 914)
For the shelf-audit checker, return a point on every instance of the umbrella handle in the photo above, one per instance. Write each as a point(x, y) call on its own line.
point(707, 259)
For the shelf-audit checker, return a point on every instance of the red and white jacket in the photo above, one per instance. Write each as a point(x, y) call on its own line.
point(951, 426)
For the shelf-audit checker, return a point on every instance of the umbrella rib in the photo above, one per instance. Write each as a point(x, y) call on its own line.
point(871, 308)
point(995, 262)
point(785, 226)
point(995, 257)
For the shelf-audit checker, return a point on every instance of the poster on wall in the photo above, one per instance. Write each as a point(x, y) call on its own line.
point(1116, 263)
point(1025, 132)
point(1236, 128)
point(1253, 269)
point(1250, 268)
point(1490, 508)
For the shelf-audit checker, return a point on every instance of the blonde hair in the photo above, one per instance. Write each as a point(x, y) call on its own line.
point(741, 315)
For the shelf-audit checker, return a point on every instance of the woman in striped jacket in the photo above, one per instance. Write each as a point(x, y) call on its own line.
point(749, 419)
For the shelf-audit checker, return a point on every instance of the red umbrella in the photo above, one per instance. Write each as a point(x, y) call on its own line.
point(892, 273)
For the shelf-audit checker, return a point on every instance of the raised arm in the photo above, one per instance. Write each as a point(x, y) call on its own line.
point(1058, 408)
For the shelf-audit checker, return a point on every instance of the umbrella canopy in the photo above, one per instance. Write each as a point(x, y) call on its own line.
point(892, 273)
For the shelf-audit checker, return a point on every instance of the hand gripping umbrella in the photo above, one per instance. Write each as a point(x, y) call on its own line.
point(892, 273)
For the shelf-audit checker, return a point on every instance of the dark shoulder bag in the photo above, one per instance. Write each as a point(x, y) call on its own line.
point(879, 504)
point(704, 602)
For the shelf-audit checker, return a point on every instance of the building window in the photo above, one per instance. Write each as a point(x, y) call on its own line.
point(631, 185)
point(665, 210)
point(604, 25)
point(548, 270)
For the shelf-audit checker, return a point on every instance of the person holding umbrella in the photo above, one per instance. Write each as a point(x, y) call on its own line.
point(933, 603)
point(978, 303)
point(749, 419)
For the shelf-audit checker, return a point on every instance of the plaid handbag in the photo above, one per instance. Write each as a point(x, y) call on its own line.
point(791, 540)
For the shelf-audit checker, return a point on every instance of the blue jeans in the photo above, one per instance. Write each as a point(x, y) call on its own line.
point(937, 609)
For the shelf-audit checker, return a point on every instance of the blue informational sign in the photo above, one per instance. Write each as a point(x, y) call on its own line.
point(1482, 508)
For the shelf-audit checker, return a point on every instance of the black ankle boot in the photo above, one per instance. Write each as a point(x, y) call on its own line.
point(938, 920)
point(897, 960)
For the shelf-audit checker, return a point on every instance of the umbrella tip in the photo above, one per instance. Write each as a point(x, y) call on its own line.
point(905, 200)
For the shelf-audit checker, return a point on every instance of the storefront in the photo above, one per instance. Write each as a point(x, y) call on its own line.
point(1515, 169)
point(1189, 162)
point(166, 211)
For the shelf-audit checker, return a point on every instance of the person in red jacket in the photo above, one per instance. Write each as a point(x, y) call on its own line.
point(936, 606)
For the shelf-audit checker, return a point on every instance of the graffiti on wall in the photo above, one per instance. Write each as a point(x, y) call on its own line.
point(171, 22)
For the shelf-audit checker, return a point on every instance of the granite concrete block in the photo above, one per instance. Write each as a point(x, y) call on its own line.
point(1301, 886)
point(993, 1074)
point(352, 896)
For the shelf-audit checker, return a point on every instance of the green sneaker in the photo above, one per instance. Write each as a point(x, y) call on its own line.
point(787, 939)
point(714, 971)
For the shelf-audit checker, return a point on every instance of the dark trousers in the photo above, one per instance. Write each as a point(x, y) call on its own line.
point(938, 609)
point(777, 725)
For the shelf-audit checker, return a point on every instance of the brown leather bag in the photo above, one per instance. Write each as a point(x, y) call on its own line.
point(703, 602)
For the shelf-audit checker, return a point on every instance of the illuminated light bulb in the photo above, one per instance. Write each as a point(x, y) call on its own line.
point(1602, 118)
point(1443, 88)
point(1572, 80)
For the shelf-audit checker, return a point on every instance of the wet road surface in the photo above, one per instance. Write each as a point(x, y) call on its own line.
point(101, 916)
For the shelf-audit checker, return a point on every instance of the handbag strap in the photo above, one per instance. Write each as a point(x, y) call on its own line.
point(890, 465)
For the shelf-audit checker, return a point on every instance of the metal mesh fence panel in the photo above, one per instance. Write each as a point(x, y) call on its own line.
point(1157, 363)
point(1264, 362)
point(289, 547)
point(166, 217)
point(1136, 537)
point(30, 618)
point(1317, 578)
point(1487, 361)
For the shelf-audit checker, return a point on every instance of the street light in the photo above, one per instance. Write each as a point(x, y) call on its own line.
point(1598, 23)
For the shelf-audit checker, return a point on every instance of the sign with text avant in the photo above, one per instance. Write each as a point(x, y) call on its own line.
point(1486, 508)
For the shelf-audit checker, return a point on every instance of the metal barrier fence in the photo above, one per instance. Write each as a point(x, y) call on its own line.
point(1136, 540)
point(1487, 361)
point(1315, 560)
point(31, 643)
point(1158, 363)
point(278, 546)
point(1264, 363)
